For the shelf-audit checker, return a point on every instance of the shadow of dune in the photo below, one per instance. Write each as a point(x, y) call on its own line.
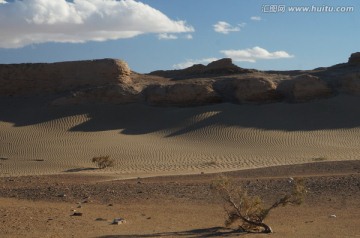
point(79, 170)
point(340, 112)
point(207, 232)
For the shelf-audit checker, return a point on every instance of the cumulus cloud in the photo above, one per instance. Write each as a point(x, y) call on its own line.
point(166, 36)
point(39, 21)
point(225, 28)
point(191, 62)
point(256, 18)
point(255, 53)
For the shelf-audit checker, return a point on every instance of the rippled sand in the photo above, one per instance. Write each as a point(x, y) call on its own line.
point(37, 138)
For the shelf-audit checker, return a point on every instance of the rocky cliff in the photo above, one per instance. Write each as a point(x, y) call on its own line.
point(354, 59)
point(29, 79)
point(111, 81)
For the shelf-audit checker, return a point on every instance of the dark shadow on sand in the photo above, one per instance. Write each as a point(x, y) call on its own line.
point(80, 170)
point(208, 232)
point(340, 112)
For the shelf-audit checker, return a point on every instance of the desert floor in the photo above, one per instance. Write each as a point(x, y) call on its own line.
point(165, 160)
point(178, 206)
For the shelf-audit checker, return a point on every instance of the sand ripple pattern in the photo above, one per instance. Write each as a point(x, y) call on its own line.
point(147, 141)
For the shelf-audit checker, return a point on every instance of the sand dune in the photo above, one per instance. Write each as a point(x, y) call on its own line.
point(37, 138)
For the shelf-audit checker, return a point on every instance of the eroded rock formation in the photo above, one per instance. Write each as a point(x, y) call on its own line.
point(216, 68)
point(117, 94)
point(304, 88)
point(350, 83)
point(354, 59)
point(27, 79)
point(181, 94)
point(111, 81)
point(255, 90)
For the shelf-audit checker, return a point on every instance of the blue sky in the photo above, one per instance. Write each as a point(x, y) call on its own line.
point(166, 34)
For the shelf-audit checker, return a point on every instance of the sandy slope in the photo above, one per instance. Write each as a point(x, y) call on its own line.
point(37, 138)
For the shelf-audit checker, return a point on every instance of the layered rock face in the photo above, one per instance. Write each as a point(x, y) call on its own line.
point(181, 94)
point(304, 88)
point(255, 90)
point(115, 94)
point(109, 81)
point(25, 79)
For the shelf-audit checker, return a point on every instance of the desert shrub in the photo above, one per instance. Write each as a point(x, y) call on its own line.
point(318, 159)
point(250, 211)
point(103, 161)
point(211, 163)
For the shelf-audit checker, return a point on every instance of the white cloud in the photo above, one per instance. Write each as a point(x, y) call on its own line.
point(2, 1)
point(256, 18)
point(37, 21)
point(255, 53)
point(225, 28)
point(166, 36)
point(191, 62)
point(242, 25)
point(188, 37)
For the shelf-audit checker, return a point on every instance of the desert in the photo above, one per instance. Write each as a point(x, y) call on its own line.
point(170, 134)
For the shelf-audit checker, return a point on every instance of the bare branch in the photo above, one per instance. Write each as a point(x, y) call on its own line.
point(249, 210)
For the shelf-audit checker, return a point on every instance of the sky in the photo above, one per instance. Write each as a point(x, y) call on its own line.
point(172, 34)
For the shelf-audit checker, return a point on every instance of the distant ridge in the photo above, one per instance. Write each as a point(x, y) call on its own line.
point(218, 67)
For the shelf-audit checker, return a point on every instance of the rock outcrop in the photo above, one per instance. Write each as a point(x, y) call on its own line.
point(114, 94)
point(354, 59)
point(219, 67)
point(111, 81)
point(255, 90)
point(181, 94)
point(27, 79)
point(224, 66)
point(350, 83)
point(304, 88)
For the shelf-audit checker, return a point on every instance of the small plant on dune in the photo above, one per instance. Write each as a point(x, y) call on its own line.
point(318, 159)
point(250, 211)
point(103, 161)
point(211, 163)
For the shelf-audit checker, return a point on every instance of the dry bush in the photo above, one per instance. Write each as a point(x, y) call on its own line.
point(250, 211)
point(318, 159)
point(103, 161)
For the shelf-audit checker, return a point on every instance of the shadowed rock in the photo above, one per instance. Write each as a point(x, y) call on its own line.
point(181, 94)
point(29, 79)
point(219, 67)
point(117, 94)
point(350, 83)
point(255, 90)
point(111, 81)
point(354, 59)
point(304, 88)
